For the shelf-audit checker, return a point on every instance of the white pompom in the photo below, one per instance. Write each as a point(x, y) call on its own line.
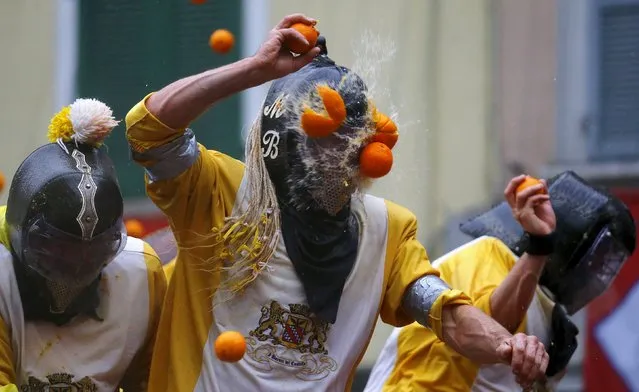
point(92, 120)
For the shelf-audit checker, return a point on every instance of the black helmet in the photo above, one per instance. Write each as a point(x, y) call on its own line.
point(595, 235)
point(302, 168)
point(64, 211)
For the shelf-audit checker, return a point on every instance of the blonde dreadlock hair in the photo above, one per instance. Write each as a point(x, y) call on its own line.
point(250, 236)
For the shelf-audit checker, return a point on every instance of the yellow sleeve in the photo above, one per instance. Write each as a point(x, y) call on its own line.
point(7, 368)
point(478, 269)
point(4, 234)
point(196, 198)
point(168, 269)
point(407, 261)
point(137, 375)
point(424, 362)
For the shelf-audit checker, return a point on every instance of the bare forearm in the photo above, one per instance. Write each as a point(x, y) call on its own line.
point(472, 333)
point(511, 299)
point(181, 102)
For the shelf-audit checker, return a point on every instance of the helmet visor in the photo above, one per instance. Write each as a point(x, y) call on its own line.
point(68, 259)
point(594, 273)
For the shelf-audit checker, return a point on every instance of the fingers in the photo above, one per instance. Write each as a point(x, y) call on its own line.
point(518, 355)
point(537, 371)
point(531, 364)
point(545, 359)
point(536, 200)
point(505, 351)
point(290, 20)
point(530, 360)
point(510, 191)
point(288, 35)
point(521, 198)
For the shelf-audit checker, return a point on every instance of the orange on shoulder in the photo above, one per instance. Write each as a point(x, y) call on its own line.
point(531, 181)
point(230, 346)
point(309, 32)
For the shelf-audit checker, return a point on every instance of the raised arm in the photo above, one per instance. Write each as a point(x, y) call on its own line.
point(511, 299)
point(196, 187)
point(181, 102)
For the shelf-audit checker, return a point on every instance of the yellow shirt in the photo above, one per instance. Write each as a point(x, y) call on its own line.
point(286, 349)
point(98, 355)
point(168, 269)
point(414, 359)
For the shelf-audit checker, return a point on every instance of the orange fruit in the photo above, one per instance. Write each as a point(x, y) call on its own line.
point(531, 181)
point(198, 1)
point(389, 139)
point(230, 346)
point(386, 129)
point(317, 125)
point(309, 32)
point(222, 41)
point(2, 182)
point(323, 124)
point(384, 124)
point(333, 103)
point(375, 160)
point(134, 228)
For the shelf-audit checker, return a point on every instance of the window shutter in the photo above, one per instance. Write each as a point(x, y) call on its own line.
point(128, 49)
point(617, 135)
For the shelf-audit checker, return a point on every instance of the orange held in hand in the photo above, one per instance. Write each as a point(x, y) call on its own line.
point(222, 41)
point(375, 160)
point(309, 32)
point(531, 181)
point(230, 346)
point(134, 228)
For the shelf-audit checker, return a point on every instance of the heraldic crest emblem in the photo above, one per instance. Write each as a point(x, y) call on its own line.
point(59, 382)
point(291, 338)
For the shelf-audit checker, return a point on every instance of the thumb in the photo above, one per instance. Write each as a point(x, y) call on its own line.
point(505, 351)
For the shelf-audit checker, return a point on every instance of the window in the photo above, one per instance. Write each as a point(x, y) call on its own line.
point(616, 81)
point(128, 49)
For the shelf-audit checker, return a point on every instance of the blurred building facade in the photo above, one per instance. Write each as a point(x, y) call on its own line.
point(28, 78)
point(483, 90)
